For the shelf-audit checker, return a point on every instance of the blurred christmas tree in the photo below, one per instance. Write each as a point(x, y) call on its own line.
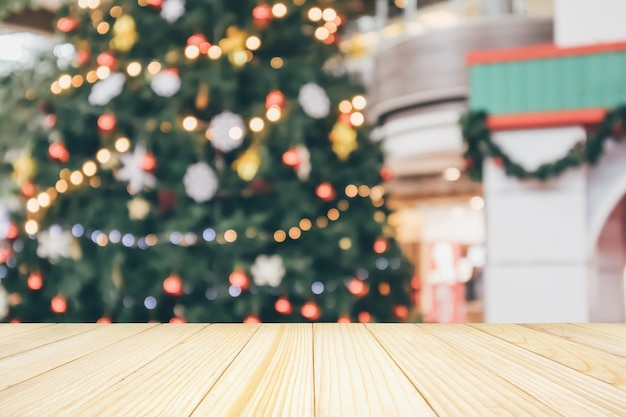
point(202, 160)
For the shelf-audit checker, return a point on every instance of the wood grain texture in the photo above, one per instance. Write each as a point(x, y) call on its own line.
point(585, 336)
point(354, 376)
point(570, 392)
point(271, 376)
point(176, 381)
point(441, 374)
point(61, 391)
point(613, 329)
point(597, 363)
point(40, 337)
point(31, 363)
point(8, 330)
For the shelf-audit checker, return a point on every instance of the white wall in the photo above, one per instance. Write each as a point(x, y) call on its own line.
point(586, 22)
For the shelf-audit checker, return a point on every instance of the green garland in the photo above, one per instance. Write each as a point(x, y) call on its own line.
point(479, 147)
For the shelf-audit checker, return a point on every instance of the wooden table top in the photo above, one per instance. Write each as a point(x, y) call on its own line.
point(299, 370)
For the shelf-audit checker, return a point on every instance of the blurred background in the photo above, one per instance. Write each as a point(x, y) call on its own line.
point(501, 128)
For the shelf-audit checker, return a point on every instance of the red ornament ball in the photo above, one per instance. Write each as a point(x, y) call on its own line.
point(344, 319)
point(325, 191)
point(107, 122)
point(67, 24)
point(401, 312)
point(283, 306)
point(380, 245)
point(357, 287)
point(12, 231)
point(157, 4)
point(50, 120)
point(59, 152)
point(311, 311)
point(345, 119)
point(416, 283)
point(104, 320)
point(107, 59)
point(200, 41)
point(82, 57)
point(149, 163)
point(239, 279)
point(291, 158)
point(262, 15)
point(386, 174)
point(498, 161)
point(28, 190)
point(173, 285)
point(58, 304)
point(251, 320)
point(35, 281)
point(177, 320)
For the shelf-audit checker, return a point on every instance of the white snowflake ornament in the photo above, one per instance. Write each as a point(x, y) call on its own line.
point(166, 83)
point(268, 270)
point(227, 131)
point(200, 182)
point(314, 101)
point(106, 90)
point(133, 172)
point(172, 10)
point(55, 243)
point(304, 168)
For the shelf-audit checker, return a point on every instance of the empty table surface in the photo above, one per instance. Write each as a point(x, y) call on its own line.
point(299, 370)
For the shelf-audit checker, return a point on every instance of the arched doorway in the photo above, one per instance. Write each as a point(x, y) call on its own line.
point(607, 237)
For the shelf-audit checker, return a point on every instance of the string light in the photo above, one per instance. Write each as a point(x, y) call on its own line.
point(76, 178)
point(280, 236)
point(32, 205)
point(215, 52)
point(65, 81)
point(279, 10)
point(77, 81)
point(31, 227)
point(357, 119)
point(103, 156)
point(253, 43)
point(295, 233)
point(190, 123)
point(276, 63)
point(256, 124)
point(103, 72)
point(315, 14)
point(103, 28)
point(90, 168)
point(322, 33)
point(345, 106)
point(273, 114)
point(55, 88)
point(61, 186)
point(134, 69)
point(154, 67)
point(192, 52)
point(351, 191)
point(91, 77)
point(122, 144)
point(305, 224)
point(359, 102)
point(43, 199)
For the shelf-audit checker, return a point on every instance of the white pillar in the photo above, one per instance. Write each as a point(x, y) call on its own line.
point(537, 262)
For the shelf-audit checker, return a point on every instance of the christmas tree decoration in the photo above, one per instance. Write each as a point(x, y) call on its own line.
point(314, 101)
point(247, 165)
point(304, 167)
point(35, 281)
point(124, 33)
point(67, 24)
point(167, 201)
point(227, 131)
point(357, 287)
point(239, 279)
point(58, 304)
point(480, 146)
point(344, 139)
point(200, 41)
point(201, 182)
point(380, 245)
point(149, 163)
point(173, 285)
point(106, 90)
point(275, 99)
point(203, 96)
point(138, 208)
point(166, 83)
point(311, 311)
point(325, 191)
point(283, 306)
point(107, 122)
point(107, 59)
point(58, 151)
point(172, 10)
point(55, 243)
point(268, 270)
point(262, 15)
point(24, 167)
point(132, 170)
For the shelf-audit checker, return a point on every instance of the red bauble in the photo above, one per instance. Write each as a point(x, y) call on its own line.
point(344, 319)
point(103, 320)
point(58, 304)
point(498, 161)
point(416, 283)
point(157, 4)
point(107, 59)
point(28, 190)
point(283, 306)
point(291, 158)
point(275, 98)
point(177, 320)
point(149, 163)
point(325, 191)
point(67, 24)
point(200, 41)
point(386, 174)
point(5, 253)
point(59, 152)
point(82, 57)
point(239, 279)
point(173, 285)
point(167, 201)
point(345, 119)
point(251, 319)
point(35, 281)
point(107, 122)
point(364, 317)
point(401, 312)
point(262, 15)
point(357, 287)
point(311, 311)
point(12, 231)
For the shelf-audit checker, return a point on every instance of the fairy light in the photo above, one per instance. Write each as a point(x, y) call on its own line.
point(166, 127)
point(61, 186)
point(43, 199)
point(322, 33)
point(240, 58)
point(65, 81)
point(352, 191)
point(321, 222)
point(192, 52)
point(103, 72)
point(279, 10)
point(190, 123)
point(116, 11)
point(56, 88)
point(329, 14)
point(380, 217)
point(122, 144)
point(32, 205)
point(357, 119)
point(256, 124)
point(103, 28)
point(235, 133)
point(333, 214)
point(103, 156)
point(215, 52)
point(95, 182)
point(345, 106)
point(76, 178)
point(359, 102)
point(92, 76)
point(90, 168)
point(295, 233)
point(230, 236)
point(364, 190)
point(152, 240)
point(305, 224)
point(93, 4)
point(345, 243)
point(77, 81)
point(280, 236)
point(273, 114)
point(154, 67)
point(31, 227)
point(315, 14)
point(133, 69)
point(277, 62)
point(331, 27)
point(253, 43)
point(52, 192)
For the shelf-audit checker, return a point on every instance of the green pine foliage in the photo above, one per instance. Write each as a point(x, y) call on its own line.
point(115, 263)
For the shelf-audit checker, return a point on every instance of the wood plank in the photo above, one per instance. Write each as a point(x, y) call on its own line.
point(449, 379)
point(190, 369)
point(597, 363)
point(354, 376)
point(602, 341)
point(570, 392)
point(614, 329)
point(22, 342)
point(271, 376)
point(62, 390)
point(8, 330)
point(22, 366)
